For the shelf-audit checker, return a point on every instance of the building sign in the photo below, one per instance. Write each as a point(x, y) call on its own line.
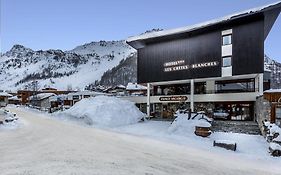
point(180, 65)
point(174, 98)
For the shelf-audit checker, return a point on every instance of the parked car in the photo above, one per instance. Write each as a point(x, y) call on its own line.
point(221, 114)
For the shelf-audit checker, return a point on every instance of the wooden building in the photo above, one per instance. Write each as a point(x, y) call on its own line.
point(4, 99)
point(274, 97)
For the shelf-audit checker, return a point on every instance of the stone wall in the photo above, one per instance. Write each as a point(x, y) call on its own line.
point(262, 112)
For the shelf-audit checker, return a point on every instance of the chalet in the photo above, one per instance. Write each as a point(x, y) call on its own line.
point(77, 96)
point(4, 99)
point(41, 101)
point(135, 89)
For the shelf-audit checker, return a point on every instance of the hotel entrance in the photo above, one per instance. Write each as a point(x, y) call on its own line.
point(166, 111)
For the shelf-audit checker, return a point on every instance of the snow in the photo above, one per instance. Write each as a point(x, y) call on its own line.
point(273, 91)
point(229, 142)
point(200, 25)
point(59, 147)
point(103, 111)
point(275, 146)
point(273, 128)
point(15, 98)
point(41, 96)
point(182, 125)
point(5, 94)
point(277, 139)
point(99, 56)
point(92, 93)
point(7, 115)
point(135, 86)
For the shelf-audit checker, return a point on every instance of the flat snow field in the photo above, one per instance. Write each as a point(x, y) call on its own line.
point(48, 146)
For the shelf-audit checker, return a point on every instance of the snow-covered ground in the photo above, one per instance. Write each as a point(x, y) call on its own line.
point(50, 146)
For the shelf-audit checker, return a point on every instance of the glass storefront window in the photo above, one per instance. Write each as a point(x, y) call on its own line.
point(234, 111)
point(176, 89)
point(235, 86)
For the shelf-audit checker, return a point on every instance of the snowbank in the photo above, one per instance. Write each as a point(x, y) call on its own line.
point(104, 111)
point(182, 126)
point(10, 120)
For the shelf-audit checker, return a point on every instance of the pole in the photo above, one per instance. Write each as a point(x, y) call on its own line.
point(192, 95)
point(148, 101)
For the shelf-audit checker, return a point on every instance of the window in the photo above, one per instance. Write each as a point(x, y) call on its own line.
point(75, 97)
point(235, 86)
point(226, 40)
point(226, 62)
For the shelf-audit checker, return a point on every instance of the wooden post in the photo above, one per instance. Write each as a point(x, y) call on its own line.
point(273, 113)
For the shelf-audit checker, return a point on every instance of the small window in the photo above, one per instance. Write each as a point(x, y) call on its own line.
point(226, 61)
point(226, 40)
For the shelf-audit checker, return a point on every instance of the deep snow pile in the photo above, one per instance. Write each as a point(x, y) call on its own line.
point(104, 111)
point(181, 125)
point(10, 120)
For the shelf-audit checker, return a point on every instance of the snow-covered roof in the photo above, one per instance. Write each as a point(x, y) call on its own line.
point(135, 86)
point(201, 25)
point(5, 94)
point(41, 96)
point(56, 97)
point(121, 86)
point(273, 91)
point(15, 98)
point(86, 93)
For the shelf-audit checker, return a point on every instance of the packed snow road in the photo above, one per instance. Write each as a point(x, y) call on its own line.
point(48, 146)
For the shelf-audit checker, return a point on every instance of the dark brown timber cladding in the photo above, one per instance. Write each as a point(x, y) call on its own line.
point(197, 49)
point(248, 48)
point(204, 46)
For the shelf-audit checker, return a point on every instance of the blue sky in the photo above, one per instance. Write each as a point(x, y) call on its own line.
point(64, 24)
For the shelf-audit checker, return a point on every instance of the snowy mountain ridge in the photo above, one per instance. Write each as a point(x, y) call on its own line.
point(59, 69)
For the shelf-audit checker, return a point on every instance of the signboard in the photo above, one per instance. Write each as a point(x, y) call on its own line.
point(173, 98)
point(181, 65)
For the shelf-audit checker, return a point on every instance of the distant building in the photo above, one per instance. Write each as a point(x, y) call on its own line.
point(4, 99)
point(14, 100)
point(41, 101)
point(135, 89)
point(25, 94)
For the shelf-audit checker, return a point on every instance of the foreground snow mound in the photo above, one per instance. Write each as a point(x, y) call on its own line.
point(182, 126)
point(8, 120)
point(105, 111)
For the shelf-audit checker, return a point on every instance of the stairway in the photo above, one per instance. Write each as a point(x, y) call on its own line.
point(246, 127)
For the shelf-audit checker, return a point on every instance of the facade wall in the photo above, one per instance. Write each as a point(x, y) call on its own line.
point(189, 51)
point(262, 111)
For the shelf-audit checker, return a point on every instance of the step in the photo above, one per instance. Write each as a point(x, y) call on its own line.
point(246, 127)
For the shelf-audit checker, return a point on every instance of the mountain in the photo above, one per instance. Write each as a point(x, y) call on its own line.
point(275, 68)
point(59, 69)
point(122, 74)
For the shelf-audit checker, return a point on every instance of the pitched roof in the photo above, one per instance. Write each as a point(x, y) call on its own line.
point(191, 28)
point(5, 94)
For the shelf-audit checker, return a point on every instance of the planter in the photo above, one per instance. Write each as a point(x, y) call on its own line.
point(202, 131)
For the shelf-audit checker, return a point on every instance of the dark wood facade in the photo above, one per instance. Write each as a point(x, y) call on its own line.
point(248, 48)
point(203, 44)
